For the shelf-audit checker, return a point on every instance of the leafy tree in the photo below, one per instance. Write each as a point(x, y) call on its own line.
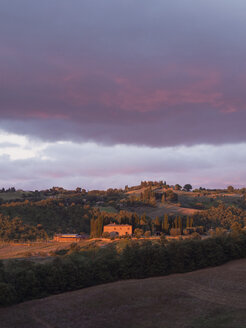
point(147, 234)
point(236, 227)
point(195, 236)
point(171, 196)
point(230, 189)
point(106, 234)
point(138, 232)
point(177, 187)
point(15, 229)
point(163, 239)
point(187, 187)
point(220, 216)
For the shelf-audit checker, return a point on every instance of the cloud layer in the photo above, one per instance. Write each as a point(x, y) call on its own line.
point(35, 165)
point(160, 73)
point(108, 93)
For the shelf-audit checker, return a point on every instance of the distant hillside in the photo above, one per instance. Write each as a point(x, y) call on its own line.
point(208, 298)
point(41, 214)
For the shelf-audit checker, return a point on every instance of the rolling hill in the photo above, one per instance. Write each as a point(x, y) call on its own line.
point(211, 298)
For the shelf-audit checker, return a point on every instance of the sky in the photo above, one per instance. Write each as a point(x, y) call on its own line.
point(101, 94)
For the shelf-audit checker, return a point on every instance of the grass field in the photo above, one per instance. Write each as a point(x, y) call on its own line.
point(108, 209)
point(161, 209)
point(192, 199)
point(16, 195)
point(35, 249)
point(208, 298)
point(39, 250)
point(189, 202)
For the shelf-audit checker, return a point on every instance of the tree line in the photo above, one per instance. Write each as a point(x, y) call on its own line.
point(17, 230)
point(25, 280)
point(47, 217)
point(221, 216)
point(54, 216)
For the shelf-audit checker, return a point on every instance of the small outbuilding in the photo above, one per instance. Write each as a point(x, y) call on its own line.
point(69, 238)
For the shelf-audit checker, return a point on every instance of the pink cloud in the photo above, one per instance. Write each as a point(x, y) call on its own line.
point(86, 75)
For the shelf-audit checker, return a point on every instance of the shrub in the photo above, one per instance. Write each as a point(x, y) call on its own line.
point(61, 251)
point(7, 294)
point(138, 232)
point(106, 235)
point(147, 234)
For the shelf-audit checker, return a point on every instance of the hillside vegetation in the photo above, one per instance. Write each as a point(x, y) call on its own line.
point(152, 207)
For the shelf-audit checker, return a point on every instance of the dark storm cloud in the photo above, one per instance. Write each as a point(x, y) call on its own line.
point(135, 72)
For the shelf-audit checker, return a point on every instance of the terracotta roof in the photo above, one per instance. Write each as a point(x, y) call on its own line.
point(68, 235)
point(118, 225)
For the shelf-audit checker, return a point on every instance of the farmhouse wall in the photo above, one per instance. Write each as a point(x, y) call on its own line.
point(121, 229)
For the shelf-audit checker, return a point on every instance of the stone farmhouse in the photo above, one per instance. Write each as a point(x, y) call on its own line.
point(118, 229)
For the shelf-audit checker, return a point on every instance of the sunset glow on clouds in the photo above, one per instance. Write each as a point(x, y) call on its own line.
point(107, 93)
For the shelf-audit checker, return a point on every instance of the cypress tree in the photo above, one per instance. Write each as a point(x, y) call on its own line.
point(157, 222)
point(176, 222)
point(180, 223)
point(165, 224)
point(92, 228)
point(99, 226)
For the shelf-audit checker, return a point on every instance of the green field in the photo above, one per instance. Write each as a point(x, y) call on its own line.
point(17, 195)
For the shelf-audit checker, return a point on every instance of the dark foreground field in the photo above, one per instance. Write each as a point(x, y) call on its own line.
point(209, 298)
